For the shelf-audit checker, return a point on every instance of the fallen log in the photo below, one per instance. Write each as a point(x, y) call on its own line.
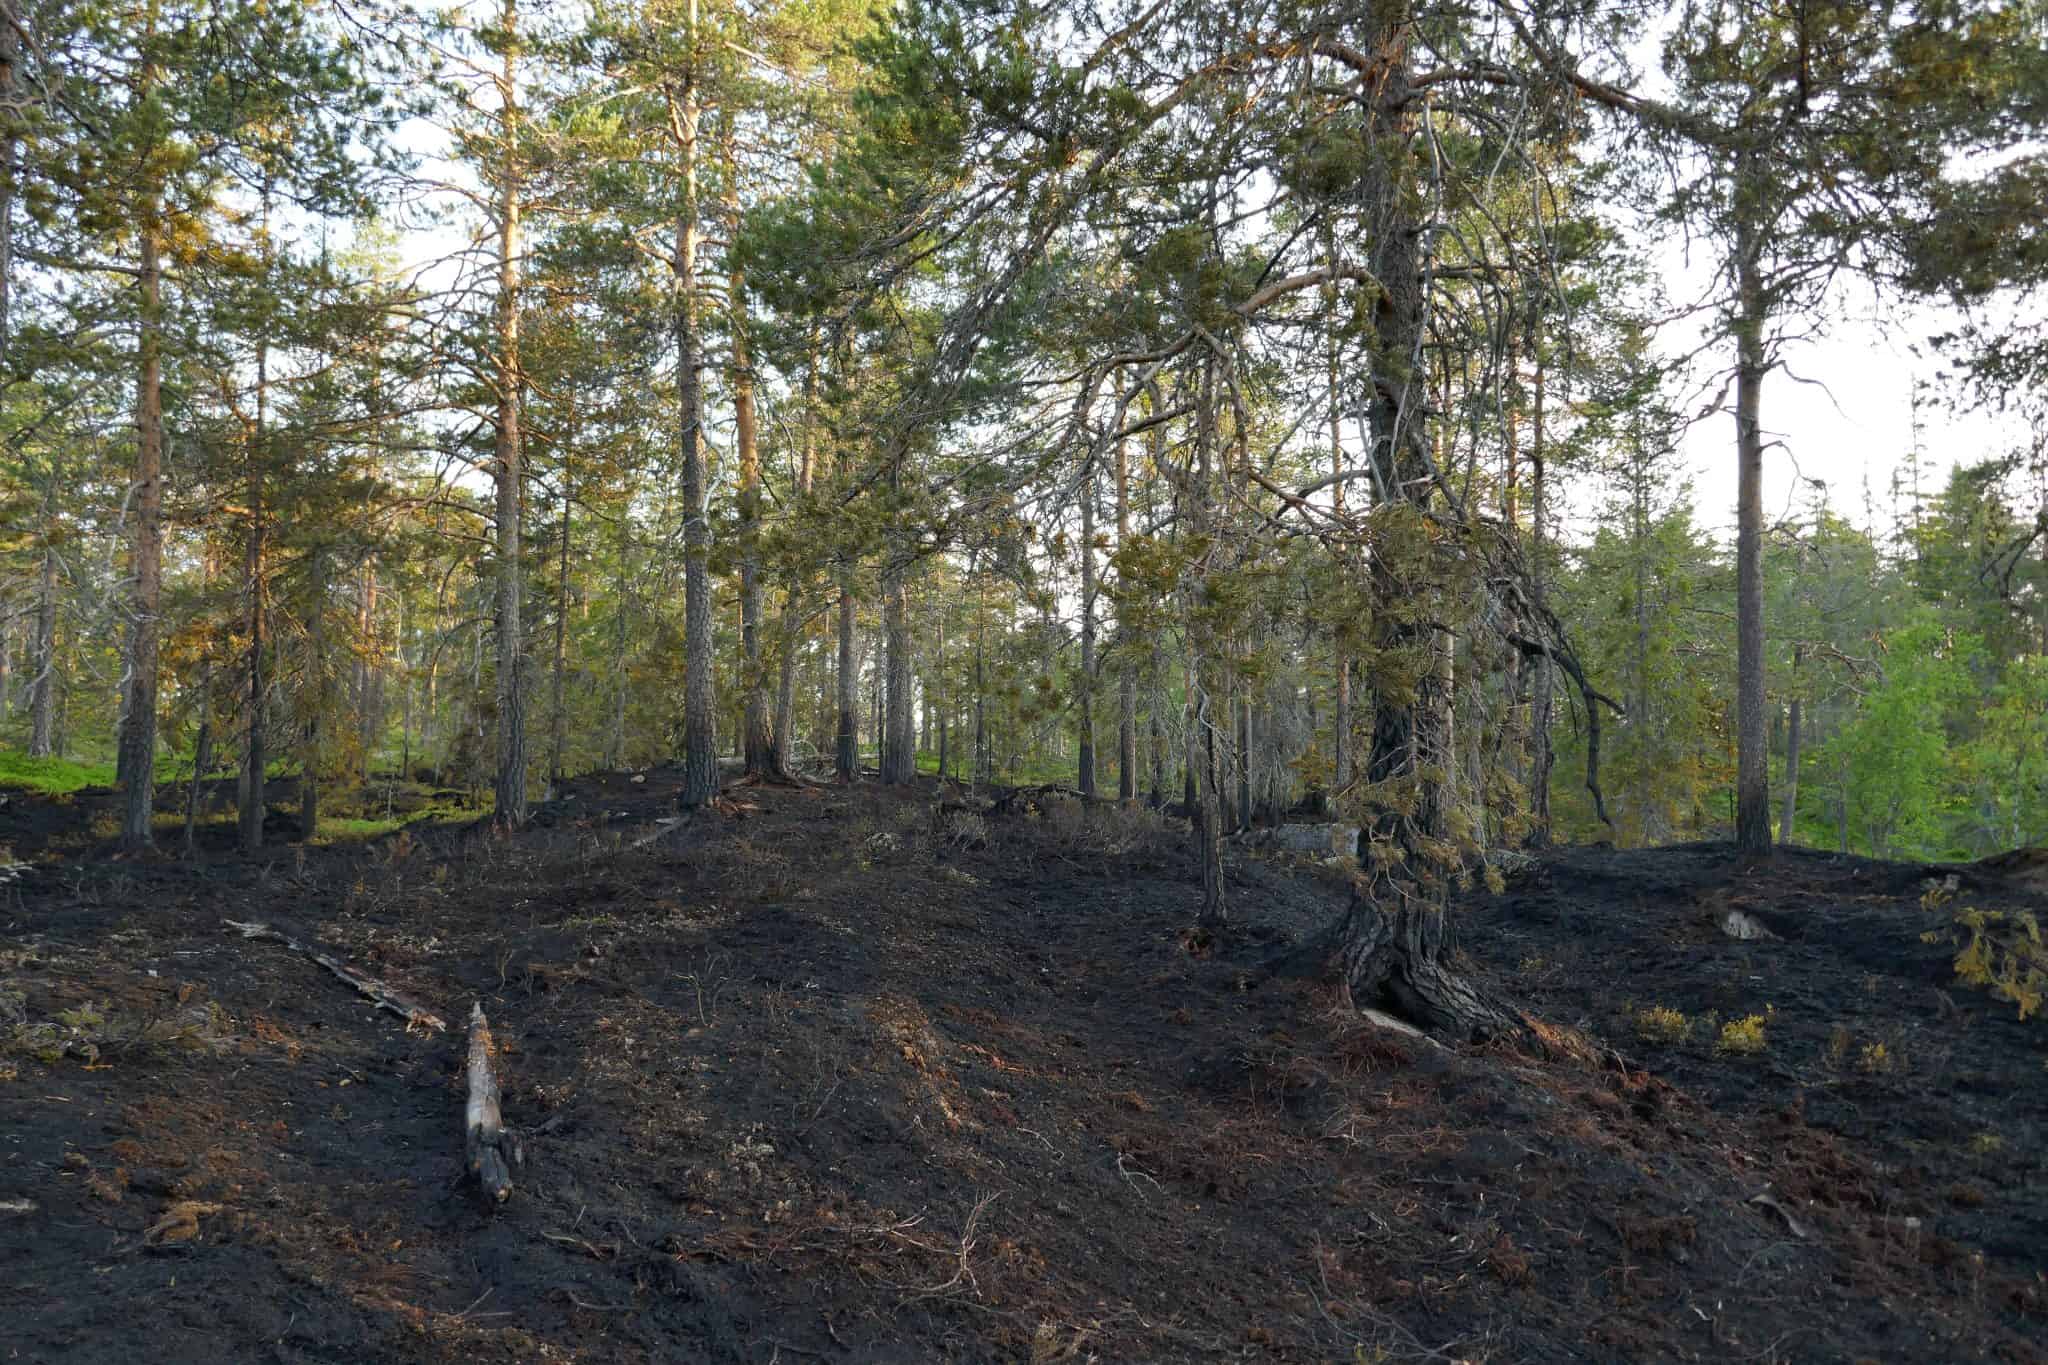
point(484, 1134)
point(386, 997)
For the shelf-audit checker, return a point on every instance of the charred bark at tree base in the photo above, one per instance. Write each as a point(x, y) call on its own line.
point(1392, 960)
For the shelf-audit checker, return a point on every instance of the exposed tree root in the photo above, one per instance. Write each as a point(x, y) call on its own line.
point(1391, 960)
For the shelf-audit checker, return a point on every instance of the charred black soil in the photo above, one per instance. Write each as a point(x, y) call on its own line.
point(817, 1077)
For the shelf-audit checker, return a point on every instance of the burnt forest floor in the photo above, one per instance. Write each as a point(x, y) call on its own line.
point(826, 1075)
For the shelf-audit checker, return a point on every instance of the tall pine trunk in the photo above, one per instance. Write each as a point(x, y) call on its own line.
point(250, 810)
point(1787, 822)
point(508, 466)
point(1752, 753)
point(757, 741)
point(1085, 688)
point(42, 692)
point(899, 732)
point(138, 733)
point(1127, 654)
point(313, 695)
point(700, 757)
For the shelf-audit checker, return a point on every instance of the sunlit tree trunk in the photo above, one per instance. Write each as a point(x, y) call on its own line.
point(700, 758)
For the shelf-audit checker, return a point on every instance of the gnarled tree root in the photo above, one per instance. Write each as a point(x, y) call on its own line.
point(1391, 959)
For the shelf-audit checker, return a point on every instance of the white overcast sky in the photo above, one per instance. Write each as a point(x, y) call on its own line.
point(1839, 411)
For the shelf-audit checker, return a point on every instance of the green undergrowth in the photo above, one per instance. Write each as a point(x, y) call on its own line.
point(56, 776)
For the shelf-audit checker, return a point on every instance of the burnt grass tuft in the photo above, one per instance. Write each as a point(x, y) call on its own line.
point(829, 1074)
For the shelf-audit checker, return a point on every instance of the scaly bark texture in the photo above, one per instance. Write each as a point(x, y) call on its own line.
point(510, 628)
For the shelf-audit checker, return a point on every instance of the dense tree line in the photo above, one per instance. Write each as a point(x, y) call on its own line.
point(1231, 406)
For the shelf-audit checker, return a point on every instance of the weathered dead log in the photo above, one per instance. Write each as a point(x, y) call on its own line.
point(386, 997)
point(489, 1146)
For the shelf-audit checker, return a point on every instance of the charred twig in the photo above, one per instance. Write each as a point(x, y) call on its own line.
point(386, 997)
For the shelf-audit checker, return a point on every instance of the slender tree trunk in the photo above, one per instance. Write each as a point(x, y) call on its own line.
point(1202, 729)
point(369, 702)
point(10, 150)
point(256, 452)
point(405, 701)
point(1752, 755)
point(138, 735)
point(314, 702)
point(939, 684)
point(700, 756)
point(42, 692)
point(758, 742)
point(1341, 721)
point(847, 751)
point(509, 465)
point(1127, 666)
point(1792, 740)
point(791, 627)
point(981, 770)
point(1157, 708)
point(202, 752)
point(1544, 687)
point(559, 718)
point(615, 743)
point(1245, 779)
point(1086, 689)
point(899, 732)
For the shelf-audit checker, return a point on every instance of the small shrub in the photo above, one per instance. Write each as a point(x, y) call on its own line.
point(1999, 952)
point(1875, 1059)
point(1662, 1024)
point(1742, 1037)
point(1838, 1045)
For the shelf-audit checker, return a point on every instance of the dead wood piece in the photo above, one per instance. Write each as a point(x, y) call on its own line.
point(662, 826)
point(485, 1138)
point(1792, 1224)
point(385, 997)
